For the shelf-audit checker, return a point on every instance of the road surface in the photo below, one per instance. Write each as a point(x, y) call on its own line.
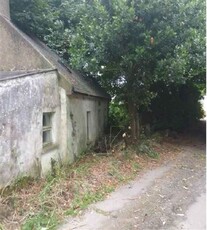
point(171, 197)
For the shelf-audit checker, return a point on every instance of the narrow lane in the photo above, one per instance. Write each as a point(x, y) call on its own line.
point(171, 197)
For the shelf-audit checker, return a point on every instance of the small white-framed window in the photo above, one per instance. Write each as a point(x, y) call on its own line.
point(47, 135)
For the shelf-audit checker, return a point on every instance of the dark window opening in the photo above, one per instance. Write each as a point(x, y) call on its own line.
point(88, 125)
point(47, 128)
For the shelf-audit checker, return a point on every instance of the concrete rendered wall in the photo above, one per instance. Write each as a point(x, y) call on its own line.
point(4, 8)
point(77, 108)
point(16, 50)
point(22, 103)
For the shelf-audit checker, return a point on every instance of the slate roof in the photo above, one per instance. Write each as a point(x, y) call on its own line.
point(81, 84)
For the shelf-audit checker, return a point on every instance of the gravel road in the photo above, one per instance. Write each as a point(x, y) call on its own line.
point(170, 197)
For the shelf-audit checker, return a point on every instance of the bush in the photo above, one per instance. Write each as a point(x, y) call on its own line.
point(118, 115)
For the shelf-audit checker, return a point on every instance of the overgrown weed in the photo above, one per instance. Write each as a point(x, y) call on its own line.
point(82, 202)
point(41, 220)
point(144, 147)
point(43, 203)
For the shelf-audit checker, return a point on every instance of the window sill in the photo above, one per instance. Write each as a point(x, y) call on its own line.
point(49, 147)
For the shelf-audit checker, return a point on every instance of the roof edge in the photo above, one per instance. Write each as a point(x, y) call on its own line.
point(76, 92)
point(26, 74)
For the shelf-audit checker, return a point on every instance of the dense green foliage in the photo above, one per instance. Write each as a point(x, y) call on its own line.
point(130, 46)
point(176, 108)
point(33, 16)
point(118, 116)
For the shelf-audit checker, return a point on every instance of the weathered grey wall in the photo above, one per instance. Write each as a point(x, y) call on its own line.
point(22, 54)
point(77, 108)
point(22, 103)
point(4, 8)
point(23, 100)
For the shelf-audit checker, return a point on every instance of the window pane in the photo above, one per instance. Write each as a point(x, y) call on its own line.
point(46, 136)
point(47, 119)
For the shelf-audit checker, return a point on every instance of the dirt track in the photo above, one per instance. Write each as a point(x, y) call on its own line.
point(170, 197)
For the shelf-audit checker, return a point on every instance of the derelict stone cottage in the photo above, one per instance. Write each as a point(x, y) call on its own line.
point(47, 110)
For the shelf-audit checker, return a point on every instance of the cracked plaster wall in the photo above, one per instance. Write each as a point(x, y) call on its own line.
point(22, 103)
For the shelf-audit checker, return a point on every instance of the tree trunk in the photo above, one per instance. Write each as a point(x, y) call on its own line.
point(134, 120)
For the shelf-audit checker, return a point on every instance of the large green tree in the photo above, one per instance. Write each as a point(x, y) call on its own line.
point(128, 45)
